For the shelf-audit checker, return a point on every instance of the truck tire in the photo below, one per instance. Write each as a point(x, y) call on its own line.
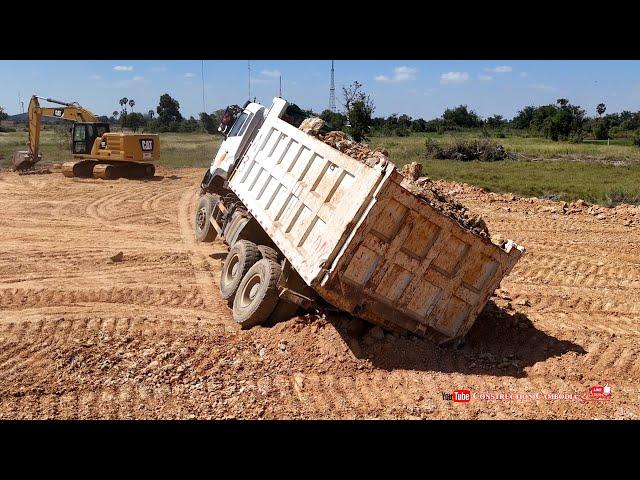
point(257, 294)
point(241, 257)
point(203, 228)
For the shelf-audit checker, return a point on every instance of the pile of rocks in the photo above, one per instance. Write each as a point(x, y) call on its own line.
point(430, 191)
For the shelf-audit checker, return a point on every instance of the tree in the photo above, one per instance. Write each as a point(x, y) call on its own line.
point(123, 104)
point(360, 120)
point(208, 122)
point(168, 110)
point(134, 120)
point(334, 120)
point(3, 115)
point(132, 103)
point(150, 114)
point(524, 118)
point(115, 114)
point(496, 121)
point(461, 116)
point(601, 108)
point(359, 108)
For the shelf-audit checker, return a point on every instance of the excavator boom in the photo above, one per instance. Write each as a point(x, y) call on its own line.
point(24, 160)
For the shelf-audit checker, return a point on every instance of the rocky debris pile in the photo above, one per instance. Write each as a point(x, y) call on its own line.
point(436, 196)
point(467, 150)
point(340, 141)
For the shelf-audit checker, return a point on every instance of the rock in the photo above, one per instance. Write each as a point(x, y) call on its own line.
point(117, 257)
point(523, 302)
point(312, 126)
point(412, 171)
point(282, 345)
point(377, 333)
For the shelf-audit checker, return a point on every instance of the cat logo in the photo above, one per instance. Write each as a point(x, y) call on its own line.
point(103, 144)
point(58, 112)
point(146, 145)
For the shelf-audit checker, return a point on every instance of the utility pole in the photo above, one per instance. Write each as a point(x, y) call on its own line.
point(332, 92)
point(204, 105)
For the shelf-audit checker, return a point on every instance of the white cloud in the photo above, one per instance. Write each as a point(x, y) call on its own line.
point(400, 74)
point(542, 86)
point(454, 77)
point(123, 68)
point(499, 69)
point(271, 73)
point(95, 77)
point(189, 75)
point(138, 79)
point(485, 78)
point(524, 74)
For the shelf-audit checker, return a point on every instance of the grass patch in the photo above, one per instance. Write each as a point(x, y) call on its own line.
point(598, 173)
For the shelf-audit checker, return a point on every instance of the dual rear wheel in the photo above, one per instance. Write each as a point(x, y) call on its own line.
point(249, 283)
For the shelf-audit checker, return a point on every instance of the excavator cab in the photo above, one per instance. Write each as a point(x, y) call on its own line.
point(85, 134)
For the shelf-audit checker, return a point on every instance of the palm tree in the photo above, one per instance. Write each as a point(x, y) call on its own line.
point(151, 114)
point(132, 103)
point(123, 104)
point(115, 114)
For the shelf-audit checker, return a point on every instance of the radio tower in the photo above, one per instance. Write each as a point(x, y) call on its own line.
point(332, 92)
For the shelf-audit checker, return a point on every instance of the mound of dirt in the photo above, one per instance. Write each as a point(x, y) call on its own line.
point(435, 195)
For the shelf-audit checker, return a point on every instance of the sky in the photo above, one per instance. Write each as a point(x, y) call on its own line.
point(421, 89)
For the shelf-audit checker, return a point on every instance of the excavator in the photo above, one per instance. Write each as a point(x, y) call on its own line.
point(96, 151)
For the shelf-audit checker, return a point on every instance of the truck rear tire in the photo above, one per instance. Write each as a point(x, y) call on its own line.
point(241, 257)
point(203, 228)
point(257, 295)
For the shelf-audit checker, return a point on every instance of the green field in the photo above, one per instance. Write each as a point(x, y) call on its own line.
point(596, 172)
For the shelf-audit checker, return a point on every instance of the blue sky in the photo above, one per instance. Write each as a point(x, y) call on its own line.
point(418, 88)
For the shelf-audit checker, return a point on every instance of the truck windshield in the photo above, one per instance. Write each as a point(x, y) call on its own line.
point(238, 125)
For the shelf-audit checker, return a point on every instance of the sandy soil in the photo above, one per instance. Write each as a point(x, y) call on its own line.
point(82, 336)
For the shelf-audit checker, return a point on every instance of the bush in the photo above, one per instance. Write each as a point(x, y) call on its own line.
point(482, 150)
point(7, 129)
point(577, 138)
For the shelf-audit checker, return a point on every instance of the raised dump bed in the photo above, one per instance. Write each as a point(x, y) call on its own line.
point(363, 242)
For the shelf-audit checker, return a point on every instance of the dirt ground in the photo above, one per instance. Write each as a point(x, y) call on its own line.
point(82, 336)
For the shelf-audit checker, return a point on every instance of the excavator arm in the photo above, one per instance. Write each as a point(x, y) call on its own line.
point(67, 111)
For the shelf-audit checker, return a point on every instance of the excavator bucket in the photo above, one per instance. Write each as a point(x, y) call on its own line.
point(23, 160)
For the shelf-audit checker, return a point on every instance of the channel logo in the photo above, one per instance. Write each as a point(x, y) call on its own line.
point(459, 396)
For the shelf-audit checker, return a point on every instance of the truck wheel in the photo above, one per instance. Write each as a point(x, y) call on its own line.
point(241, 257)
point(257, 295)
point(203, 228)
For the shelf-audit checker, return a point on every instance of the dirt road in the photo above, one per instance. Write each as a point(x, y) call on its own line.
point(82, 336)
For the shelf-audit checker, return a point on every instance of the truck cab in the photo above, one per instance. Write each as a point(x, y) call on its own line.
point(239, 126)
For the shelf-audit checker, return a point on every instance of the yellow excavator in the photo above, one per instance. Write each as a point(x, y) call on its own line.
point(96, 151)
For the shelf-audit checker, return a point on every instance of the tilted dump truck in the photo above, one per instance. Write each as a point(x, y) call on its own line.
point(308, 225)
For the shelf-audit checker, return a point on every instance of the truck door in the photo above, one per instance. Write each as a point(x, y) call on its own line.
point(232, 144)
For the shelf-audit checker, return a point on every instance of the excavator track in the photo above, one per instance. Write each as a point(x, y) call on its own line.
point(108, 170)
point(79, 168)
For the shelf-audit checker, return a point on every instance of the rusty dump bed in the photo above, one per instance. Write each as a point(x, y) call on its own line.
point(362, 241)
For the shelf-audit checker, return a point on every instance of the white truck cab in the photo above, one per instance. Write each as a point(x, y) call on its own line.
point(239, 127)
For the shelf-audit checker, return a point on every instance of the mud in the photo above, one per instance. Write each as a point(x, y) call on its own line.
point(82, 336)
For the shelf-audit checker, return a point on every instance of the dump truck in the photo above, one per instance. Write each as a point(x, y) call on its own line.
point(310, 227)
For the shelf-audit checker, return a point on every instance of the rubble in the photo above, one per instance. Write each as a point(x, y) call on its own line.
point(423, 187)
point(315, 126)
point(430, 191)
